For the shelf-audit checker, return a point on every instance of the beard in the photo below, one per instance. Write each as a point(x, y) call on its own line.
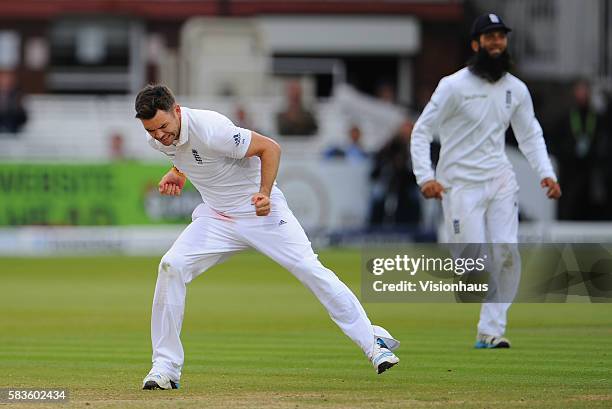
point(487, 67)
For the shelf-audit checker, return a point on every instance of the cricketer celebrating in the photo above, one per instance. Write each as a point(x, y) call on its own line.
point(234, 169)
point(471, 110)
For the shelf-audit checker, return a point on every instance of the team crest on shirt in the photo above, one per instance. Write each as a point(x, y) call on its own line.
point(197, 157)
point(237, 139)
point(508, 98)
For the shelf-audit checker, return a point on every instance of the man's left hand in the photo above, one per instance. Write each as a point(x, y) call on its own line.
point(262, 204)
point(554, 190)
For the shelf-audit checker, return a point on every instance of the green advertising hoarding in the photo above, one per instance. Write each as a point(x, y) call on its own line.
point(118, 193)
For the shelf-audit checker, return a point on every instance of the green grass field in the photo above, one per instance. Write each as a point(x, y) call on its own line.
point(255, 338)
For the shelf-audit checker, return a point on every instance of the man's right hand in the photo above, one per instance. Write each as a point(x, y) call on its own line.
point(171, 184)
point(432, 190)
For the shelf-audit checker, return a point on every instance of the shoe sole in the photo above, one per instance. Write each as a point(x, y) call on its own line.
point(483, 345)
point(152, 385)
point(384, 366)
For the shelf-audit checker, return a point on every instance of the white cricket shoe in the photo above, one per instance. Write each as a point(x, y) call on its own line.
point(484, 341)
point(382, 358)
point(158, 381)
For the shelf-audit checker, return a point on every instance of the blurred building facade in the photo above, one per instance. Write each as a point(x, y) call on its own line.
point(90, 46)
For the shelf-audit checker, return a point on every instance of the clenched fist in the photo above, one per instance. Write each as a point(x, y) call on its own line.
point(432, 190)
point(554, 190)
point(171, 184)
point(261, 203)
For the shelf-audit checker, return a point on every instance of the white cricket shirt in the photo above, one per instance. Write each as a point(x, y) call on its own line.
point(211, 152)
point(471, 116)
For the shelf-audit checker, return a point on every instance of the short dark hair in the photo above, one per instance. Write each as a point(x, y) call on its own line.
point(151, 98)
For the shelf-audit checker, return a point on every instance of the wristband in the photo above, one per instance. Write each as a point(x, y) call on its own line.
point(178, 172)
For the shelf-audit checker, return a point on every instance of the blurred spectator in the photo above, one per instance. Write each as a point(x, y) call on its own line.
point(582, 148)
point(353, 152)
point(12, 113)
point(395, 194)
point(386, 93)
point(117, 149)
point(295, 119)
point(241, 118)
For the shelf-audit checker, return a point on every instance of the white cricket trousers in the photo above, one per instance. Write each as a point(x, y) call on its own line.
point(488, 213)
point(210, 239)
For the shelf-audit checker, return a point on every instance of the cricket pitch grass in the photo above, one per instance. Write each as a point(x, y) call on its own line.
point(254, 337)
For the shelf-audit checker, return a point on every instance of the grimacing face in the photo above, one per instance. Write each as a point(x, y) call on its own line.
point(164, 127)
point(494, 42)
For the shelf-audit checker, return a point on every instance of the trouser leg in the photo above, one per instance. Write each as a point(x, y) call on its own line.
point(286, 243)
point(464, 209)
point(204, 243)
point(502, 230)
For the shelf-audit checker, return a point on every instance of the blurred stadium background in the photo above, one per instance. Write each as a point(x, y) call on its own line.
point(76, 175)
point(82, 226)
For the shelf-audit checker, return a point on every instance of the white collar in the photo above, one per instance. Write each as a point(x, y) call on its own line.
point(184, 135)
